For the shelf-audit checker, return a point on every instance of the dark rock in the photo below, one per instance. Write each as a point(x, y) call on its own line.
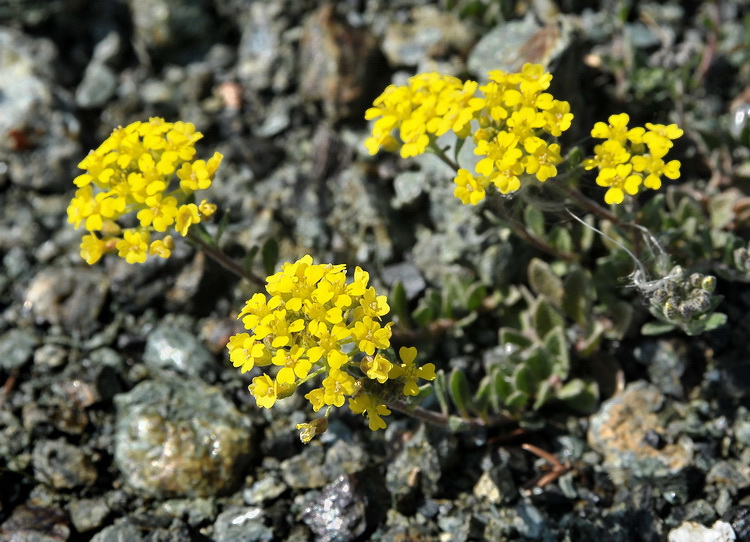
point(32, 523)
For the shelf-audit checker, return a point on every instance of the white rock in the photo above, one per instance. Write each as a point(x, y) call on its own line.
point(690, 531)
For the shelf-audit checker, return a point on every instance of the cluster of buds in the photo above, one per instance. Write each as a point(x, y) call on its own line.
point(146, 169)
point(316, 324)
point(681, 298)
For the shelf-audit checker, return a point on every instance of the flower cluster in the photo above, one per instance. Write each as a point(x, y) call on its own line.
point(511, 122)
point(631, 157)
point(315, 323)
point(131, 172)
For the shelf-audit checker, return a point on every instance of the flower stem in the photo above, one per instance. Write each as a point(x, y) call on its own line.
point(443, 420)
point(225, 261)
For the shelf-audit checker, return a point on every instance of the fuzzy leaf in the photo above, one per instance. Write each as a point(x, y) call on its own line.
point(722, 209)
point(578, 296)
point(516, 401)
point(561, 239)
point(590, 344)
point(523, 380)
point(503, 388)
point(656, 328)
point(440, 385)
point(270, 255)
point(717, 319)
point(459, 391)
point(557, 345)
point(580, 395)
point(476, 294)
point(509, 335)
point(622, 316)
point(545, 317)
point(544, 282)
point(534, 220)
point(543, 394)
point(398, 302)
point(539, 363)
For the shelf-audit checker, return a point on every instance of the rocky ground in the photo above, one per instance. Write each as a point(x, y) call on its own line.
point(120, 415)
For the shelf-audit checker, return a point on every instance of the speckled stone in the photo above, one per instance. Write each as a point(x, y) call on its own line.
point(620, 432)
point(180, 438)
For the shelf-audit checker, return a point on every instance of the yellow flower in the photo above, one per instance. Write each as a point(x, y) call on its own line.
point(371, 335)
point(133, 246)
point(264, 389)
point(92, 248)
point(187, 215)
point(410, 372)
point(206, 209)
point(308, 431)
point(162, 247)
point(470, 189)
point(336, 386)
point(372, 407)
point(619, 179)
point(376, 368)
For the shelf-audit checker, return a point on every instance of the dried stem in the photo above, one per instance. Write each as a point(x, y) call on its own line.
point(225, 261)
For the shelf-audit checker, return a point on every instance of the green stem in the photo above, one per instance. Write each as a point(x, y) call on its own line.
point(225, 261)
point(443, 420)
point(440, 153)
point(521, 231)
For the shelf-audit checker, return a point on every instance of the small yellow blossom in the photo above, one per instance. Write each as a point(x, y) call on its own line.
point(372, 408)
point(314, 321)
point(135, 171)
point(409, 372)
point(264, 389)
point(133, 246)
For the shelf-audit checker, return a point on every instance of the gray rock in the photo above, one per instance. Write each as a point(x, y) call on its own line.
point(16, 348)
point(242, 525)
point(689, 531)
point(259, 48)
point(71, 298)
point(175, 30)
point(88, 514)
point(170, 347)
point(304, 470)
point(666, 362)
point(180, 438)
point(122, 532)
point(337, 512)
point(35, 523)
point(619, 431)
point(496, 486)
point(63, 465)
point(98, 85)
point(42, 149)
point(511, 44)
point(265, 489)
point(195, 511)
point(431, 34)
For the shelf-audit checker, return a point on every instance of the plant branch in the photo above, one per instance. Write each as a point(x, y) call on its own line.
point(443, 420)
point(225, 261)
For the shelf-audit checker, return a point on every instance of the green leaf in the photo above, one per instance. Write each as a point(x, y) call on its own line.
point(656, 328)
point(509, 335)
point(717, 319)
point(721, 208)
point(222, 228)
point(534, 220)
point(561, 239)
point(545, 317)
point(398, 303)
point(459, 391)
point(544, 282)
point(557, 345)
point(516, 401)
point(503, 388)
point(270, 255)
point(423, 316)
point(591, 343)
point(621, 316)
point(476, 295)
point(440, 385)
point(250, 257)
point(523, 380)
point(539, 364)
point(580, 395)
point(543, 394)
point(578, 296)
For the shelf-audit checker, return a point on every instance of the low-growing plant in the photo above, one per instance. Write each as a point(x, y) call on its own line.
point(314, 323)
